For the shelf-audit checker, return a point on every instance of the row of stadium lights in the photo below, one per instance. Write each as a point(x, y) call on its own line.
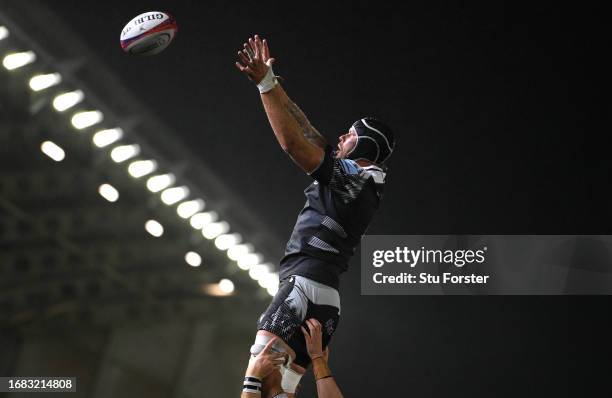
point(208, 222)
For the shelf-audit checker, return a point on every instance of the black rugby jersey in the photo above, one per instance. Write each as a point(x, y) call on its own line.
point(340, 204)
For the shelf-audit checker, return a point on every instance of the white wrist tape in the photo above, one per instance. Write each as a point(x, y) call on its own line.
point(268, 82)
point(252, 385)
point(290, 380)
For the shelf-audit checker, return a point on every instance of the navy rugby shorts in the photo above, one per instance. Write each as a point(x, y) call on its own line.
point(299, 298)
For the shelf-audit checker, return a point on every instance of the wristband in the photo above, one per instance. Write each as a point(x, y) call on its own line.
point(320, 368)
point(252, 385)
point(268, 82)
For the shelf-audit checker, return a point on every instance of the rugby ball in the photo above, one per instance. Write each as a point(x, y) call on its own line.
point(148, 33)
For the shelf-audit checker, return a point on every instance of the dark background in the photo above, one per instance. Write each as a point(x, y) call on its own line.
point(497, 112)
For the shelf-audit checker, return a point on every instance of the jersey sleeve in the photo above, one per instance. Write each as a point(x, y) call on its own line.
point(323, 172)
point(343, 176)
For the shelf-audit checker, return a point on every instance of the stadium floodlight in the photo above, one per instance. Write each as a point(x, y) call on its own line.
point(226, 286)
point(237, 252)
point(227, 241)
point(108, 192)
point(193, 259)
point(272, 290)
point(189, 208)
point(269, 279)
point(41, 82)
point(249, 260)
point(258, 271)
point(174, 195)
point(160, 182)
point(212, 230)
point(124, 152)
point(200, 220)
point(67, 100)
point(141, 168)
point(17, 60)
point(82, 120)
point(106, 137)
point(154, 228)
point(4, 32)
point(53, 150)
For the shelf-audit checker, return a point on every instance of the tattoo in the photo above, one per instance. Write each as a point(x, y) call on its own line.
point(309, 132)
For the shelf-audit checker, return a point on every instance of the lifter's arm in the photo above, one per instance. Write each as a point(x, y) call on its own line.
point(326, 385)
point(292, 129)
point(260, 368)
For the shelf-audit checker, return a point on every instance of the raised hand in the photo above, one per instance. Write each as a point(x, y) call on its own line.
point(314, 338)
point(255, 59)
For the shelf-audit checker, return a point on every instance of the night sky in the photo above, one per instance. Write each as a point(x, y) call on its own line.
point(496, 112)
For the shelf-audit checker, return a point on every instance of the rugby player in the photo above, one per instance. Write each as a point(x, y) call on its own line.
point(347, 187)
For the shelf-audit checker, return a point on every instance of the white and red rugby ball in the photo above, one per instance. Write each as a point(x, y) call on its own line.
point(148, 33)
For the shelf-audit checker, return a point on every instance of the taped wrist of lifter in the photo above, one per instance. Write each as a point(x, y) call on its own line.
point(252, 385)
point(268, 82)
point(320, 368)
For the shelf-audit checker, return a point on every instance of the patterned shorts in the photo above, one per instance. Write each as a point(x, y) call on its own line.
point(298, 299)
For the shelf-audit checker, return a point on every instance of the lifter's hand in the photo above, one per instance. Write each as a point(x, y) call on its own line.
point(255, 59)
point(266, 362)
point(314, 338)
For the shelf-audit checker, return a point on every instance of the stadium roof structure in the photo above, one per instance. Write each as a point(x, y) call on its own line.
point(101, 207)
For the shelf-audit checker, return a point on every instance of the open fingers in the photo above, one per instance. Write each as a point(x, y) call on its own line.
point(259, 45)
point(253, 47)
point(244, 57)
point(240, 67)
point(256, 48)
point(266, 50)
point(248, 51)
point(252, 44)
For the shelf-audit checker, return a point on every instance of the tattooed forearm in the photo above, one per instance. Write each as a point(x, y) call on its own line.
point(309, 132)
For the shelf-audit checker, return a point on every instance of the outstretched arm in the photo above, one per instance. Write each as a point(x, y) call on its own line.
point(292, 129)
point(305, 127)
